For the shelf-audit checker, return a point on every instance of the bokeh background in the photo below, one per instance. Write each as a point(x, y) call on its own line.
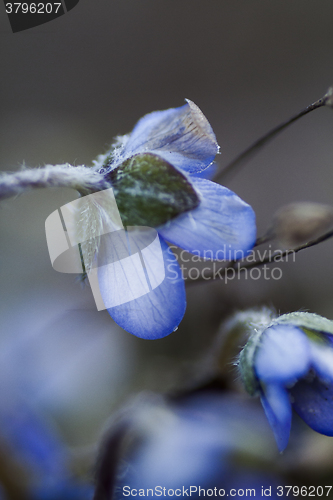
point(67, 88)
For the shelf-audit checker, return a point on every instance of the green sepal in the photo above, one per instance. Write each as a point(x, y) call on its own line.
point(313, 325)
point(246, 364)
point(149, 191)
point(252, 323)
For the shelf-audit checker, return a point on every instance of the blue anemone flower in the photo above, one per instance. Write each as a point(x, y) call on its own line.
point(154, 173)
point(289, 363)
point(207, 440)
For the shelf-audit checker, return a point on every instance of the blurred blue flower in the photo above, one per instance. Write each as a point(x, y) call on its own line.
point(157, 173)
point(289, 363)
point(54, 369)
point(41, 457)
point(206, 440)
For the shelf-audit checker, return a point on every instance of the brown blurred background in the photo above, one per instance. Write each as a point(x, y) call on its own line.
point(69, 86)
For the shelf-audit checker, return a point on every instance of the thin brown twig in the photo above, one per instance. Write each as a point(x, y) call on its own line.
point(230, 269)
point(246, 155)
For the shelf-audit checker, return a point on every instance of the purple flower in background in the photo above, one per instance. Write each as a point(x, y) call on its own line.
point(170, 448)
point(43, 458)
point(154, 174)
point(289, 363)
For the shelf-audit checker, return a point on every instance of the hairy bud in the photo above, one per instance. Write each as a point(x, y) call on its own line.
point(329, 97)
point(299, 223)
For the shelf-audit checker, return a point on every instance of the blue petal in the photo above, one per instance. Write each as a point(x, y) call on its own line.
point(155, 312)
point(322, 360)
point(188, 446)
point(34, 441)
point(283, 355)
point(182, 136)
point(329, 337)
point(209, 173)
point(313, 401)
point(221, 228)
point(275, 401)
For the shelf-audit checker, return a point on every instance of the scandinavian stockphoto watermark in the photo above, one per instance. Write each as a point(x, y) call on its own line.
point(252, 265)
point(87, 236)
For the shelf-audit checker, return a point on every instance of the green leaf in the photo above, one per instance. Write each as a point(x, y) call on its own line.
point(149, 191)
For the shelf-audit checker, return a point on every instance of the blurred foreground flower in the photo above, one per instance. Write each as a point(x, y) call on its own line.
point(157, 447)
point(154, 174)
point(34, 461)
point(288, 361)
point(57, 377)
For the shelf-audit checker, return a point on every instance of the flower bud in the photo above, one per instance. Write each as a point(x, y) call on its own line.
point(289, 364)
point(298, 223)
point(329, 97)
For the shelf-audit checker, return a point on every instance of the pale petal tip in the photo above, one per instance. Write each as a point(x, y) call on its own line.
point(203, 127)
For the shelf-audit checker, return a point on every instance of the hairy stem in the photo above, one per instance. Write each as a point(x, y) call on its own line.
point(83, 179)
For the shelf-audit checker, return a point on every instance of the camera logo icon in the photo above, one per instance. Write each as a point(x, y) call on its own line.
point(87, 236)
